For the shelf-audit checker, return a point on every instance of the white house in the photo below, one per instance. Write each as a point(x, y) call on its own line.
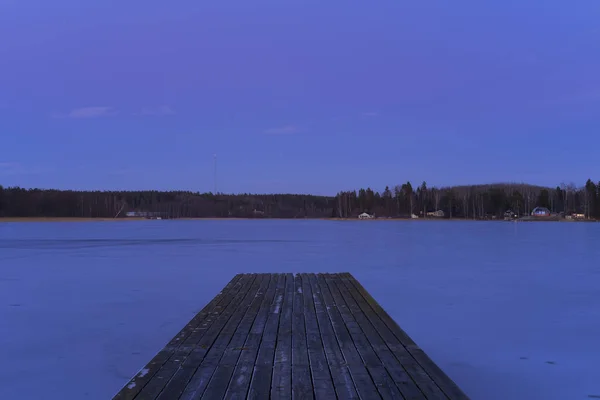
point(365, 216)
point(437, 214)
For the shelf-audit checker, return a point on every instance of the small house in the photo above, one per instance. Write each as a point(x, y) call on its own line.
point(143, 214)
point(437, 214)
point(509, 214)
point(540, 212)
point(365, 216)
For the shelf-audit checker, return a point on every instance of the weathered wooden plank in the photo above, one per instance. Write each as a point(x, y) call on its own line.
point(219, 383)
point(266, 351)
point(281, 382)
point(145, 375)
point(201, 329)
point(385, 385)
point(302, 387)
point(448, 387)
point(362, 380)
point(319, 369)
point(242, 375)
point(235, 346)
point(262, 373)
point(367, 353)
point(411, 379)
point(172, 378)
point(342, 380)
point(203, 374)
point(220, 345)
point(261, 382)
point(400, 381)
point(299, 347)
point(282, 336)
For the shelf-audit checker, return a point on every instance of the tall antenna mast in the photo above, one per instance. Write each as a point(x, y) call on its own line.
point(215, 172)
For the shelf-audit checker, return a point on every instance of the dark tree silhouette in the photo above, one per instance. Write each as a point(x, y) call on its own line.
point(476, 201)
point(472, 202)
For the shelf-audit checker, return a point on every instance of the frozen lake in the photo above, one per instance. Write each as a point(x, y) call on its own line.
point(509, 311)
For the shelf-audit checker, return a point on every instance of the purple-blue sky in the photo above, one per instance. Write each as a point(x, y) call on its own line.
point(297, 96)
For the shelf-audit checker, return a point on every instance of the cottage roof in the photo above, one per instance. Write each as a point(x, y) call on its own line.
point(541, 209)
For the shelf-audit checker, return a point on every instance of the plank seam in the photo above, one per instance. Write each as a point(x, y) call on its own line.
point(271, 277)
point(327, 279)
point(250, 291)
point(201, 337)
point(379, 311)
point(339, 285)
point(352, 295)
point(210, 306)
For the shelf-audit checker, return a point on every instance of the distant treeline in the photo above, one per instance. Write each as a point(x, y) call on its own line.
point(473, 202)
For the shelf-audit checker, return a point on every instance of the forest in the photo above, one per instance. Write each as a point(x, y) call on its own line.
point(489, 201)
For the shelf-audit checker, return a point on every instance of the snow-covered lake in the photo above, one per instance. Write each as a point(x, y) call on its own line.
point(507, 310)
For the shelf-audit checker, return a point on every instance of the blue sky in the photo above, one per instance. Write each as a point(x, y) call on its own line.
point(297, 96)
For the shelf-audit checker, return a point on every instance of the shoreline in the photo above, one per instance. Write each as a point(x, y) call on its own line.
point(64, 219)
point(128, 219)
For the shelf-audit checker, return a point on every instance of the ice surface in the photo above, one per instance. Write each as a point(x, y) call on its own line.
point(509, 311)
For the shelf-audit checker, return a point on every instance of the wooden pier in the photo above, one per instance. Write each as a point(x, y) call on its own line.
point(285, 336)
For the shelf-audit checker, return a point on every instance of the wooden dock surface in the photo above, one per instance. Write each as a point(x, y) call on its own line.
point(285, 336)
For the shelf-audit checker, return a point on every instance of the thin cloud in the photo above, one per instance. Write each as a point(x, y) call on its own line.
point(92, 112)
point(283, 130)
point(157, 111)
point(88, 112)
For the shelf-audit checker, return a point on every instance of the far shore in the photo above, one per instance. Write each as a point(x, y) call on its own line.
point(64, 219)
point(79, 219)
